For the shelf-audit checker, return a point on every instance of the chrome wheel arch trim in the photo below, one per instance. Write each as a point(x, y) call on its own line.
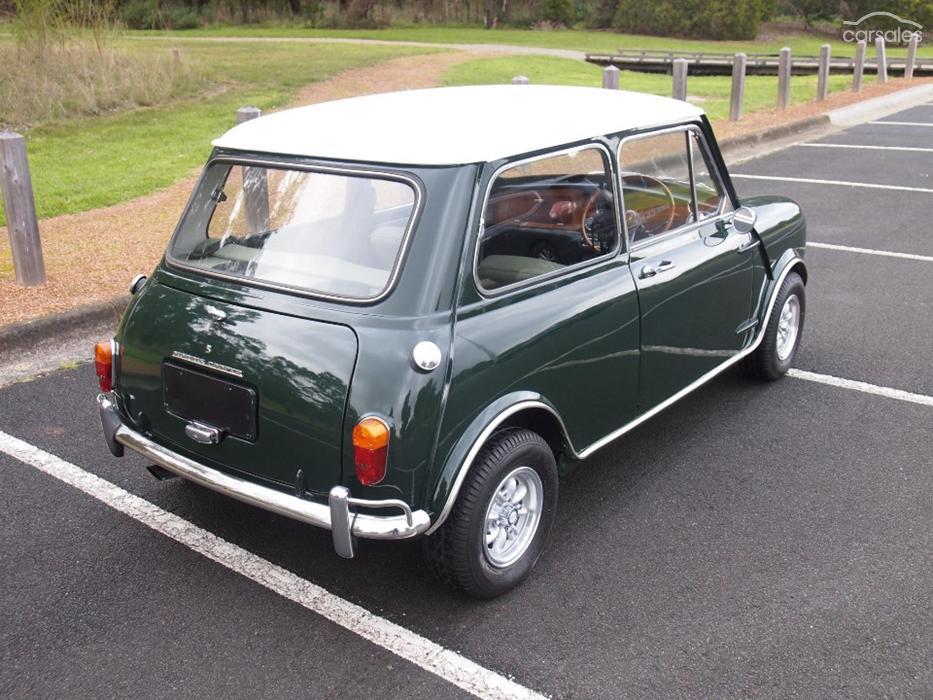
point(520, 406)
point(481, 440)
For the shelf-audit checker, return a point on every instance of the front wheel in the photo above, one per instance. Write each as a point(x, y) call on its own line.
point(774, 356)
point(500, 521)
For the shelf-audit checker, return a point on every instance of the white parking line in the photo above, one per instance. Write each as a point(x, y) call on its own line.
point(864, 387)
point(432, 657)
point(867, 148)
point(843, 183)
point(903, 123)
point(871, 251)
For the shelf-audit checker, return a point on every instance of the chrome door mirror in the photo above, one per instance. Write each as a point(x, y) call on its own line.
point(744, 219)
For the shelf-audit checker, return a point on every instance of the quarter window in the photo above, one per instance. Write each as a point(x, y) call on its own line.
point(708, 190)
point(546, 215)
point(667, 183)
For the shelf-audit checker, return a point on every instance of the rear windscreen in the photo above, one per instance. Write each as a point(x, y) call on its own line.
point(322, 232)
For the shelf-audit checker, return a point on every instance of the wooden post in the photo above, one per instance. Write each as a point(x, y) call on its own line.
point(738, 87)
point(255, 184)
point(679, 72)
point(882, 59)
point(520, 80)
point(611, 78)
point(859, 68)
point(822, 84)
point(176, 56)
point(784, 67)
point(19, 204)
point(911, 56)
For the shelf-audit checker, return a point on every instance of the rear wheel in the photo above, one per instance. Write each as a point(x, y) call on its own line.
point(779, 346)
point(500, 521)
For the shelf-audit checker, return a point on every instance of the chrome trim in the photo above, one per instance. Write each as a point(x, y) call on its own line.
point(137, 280)
point(207, 364)
point(467, 463)
point(203, 434)
point(389, 527)
point(232, 160)
point(524, 284)
point(478, 445)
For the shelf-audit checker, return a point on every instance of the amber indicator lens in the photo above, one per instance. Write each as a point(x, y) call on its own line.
point(103, 364)
point(370, 450)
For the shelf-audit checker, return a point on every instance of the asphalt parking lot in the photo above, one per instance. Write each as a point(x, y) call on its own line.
point(752, 540)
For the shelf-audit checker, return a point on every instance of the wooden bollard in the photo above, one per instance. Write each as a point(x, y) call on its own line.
point(784, 68)
point(520, 80)
point(911, 56)
point(679, 73)
point(738, 87)
point(859, 69)
point(822, 84)
point(20, 206)
point(611, 78)
point(255, 184)
point(882, 58)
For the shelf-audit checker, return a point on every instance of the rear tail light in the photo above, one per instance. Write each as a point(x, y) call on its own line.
point(103, 363)
point(370, 450)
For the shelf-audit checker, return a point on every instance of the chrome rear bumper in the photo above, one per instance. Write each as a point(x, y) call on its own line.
point(335, 516)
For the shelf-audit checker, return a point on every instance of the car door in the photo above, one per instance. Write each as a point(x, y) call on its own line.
point(692, 275)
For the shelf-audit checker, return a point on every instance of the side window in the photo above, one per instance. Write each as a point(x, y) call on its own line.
point(655, 174)
point(708, 190)
point(545, 215)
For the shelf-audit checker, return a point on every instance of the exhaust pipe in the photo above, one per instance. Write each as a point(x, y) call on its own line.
point(161, 473)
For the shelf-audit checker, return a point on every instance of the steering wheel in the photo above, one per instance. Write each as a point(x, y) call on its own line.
point(664, 188)
point(590, 212)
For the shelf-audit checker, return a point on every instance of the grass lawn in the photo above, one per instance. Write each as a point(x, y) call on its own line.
point(89, 162)
point(578, 40)
point(709, 92)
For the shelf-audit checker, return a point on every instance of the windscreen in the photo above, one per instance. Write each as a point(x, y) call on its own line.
point(322, 232)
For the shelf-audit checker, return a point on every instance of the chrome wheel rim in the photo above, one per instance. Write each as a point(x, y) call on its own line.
point(512, 517)
point(788, 327)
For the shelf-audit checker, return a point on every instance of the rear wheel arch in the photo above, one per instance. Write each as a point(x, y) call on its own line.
point(526, 410)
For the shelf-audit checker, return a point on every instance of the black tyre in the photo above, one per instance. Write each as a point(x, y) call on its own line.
point(782, 337)
point(498, 526)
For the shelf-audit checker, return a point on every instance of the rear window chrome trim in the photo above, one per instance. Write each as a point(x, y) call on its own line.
point(348, 171)
point(723, 211)
point(569, 269)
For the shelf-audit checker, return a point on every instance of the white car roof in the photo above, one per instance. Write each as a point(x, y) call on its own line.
point(453, 126)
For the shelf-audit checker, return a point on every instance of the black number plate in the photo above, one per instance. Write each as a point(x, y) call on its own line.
point(193, 395)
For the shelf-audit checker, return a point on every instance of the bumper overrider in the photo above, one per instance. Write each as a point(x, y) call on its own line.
point(336, 515)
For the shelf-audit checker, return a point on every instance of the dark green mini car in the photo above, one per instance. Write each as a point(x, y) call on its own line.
point(405, 315)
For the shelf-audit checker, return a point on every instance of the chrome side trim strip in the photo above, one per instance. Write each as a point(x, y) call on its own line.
point(602, 442)
point(703, 379)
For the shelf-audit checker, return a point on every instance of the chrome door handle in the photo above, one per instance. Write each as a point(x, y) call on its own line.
point(653, 270)
point(750, 244)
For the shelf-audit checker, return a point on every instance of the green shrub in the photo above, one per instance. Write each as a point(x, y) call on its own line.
point(705, 19)
point(558, 11)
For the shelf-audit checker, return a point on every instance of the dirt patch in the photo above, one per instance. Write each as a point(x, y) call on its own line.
point(92, 256)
